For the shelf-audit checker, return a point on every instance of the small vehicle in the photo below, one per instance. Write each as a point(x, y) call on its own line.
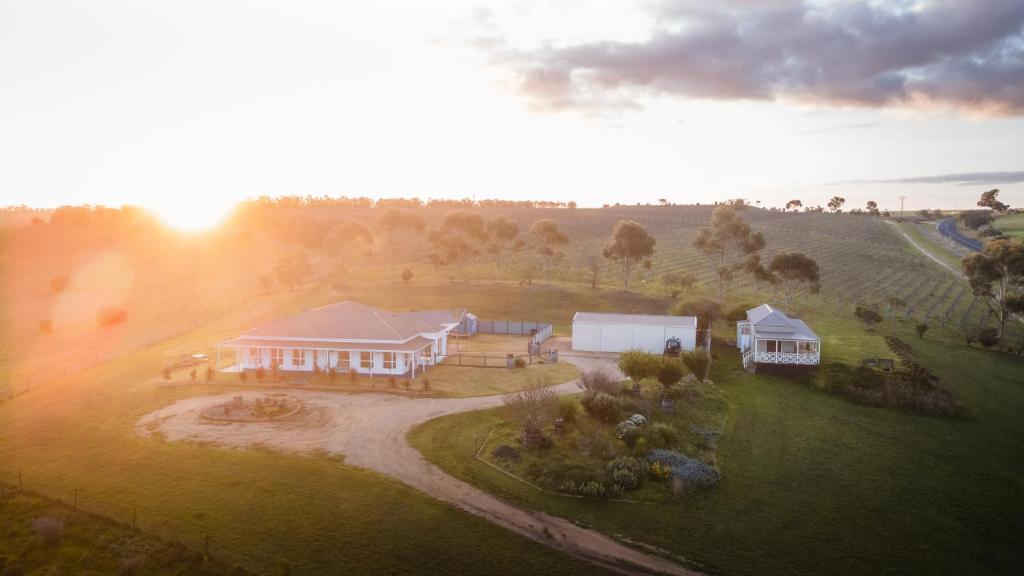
point(673, 347)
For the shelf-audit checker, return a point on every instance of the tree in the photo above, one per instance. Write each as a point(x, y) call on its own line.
point(793, 270)
point(503, 236)
point(459, 238)
point(996, 274)
point(873, 208)
point(407, 275)
point(894, 302)
point(921, 328)
point(46, 326)
point(59, 283)
point(724, 240)
point(677, 282)
point(593, 265)
point(396, 228)
point(533, 406)
point(292, 270)
point(989, 337)
point(549, 240)
point(836, 204)
point(706, 311)
point(867, 315)
point(989, 200)
point(794, 204)
point(639, 365)
point(347, 243)
point(631, 245)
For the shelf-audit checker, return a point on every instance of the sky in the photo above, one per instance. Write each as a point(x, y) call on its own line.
point(193, 105)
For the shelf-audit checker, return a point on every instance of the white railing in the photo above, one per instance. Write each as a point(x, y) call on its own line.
point(748, 358)
point(786, 358)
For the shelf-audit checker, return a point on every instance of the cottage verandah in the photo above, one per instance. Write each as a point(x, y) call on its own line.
point(768, 336)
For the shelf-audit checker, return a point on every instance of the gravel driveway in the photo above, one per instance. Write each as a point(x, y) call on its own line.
point(370, 430)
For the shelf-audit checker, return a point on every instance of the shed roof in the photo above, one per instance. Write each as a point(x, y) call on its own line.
point(652, 319)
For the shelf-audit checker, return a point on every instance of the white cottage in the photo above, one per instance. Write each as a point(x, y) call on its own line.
point(599, 332)
point(348, 336)
point(770, 337)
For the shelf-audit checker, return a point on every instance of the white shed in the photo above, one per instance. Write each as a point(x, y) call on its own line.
point(598, 332)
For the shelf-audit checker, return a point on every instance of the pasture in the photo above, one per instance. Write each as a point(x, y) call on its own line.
point(813, 484)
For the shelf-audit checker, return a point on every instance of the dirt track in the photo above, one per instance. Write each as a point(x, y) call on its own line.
point(370, 430)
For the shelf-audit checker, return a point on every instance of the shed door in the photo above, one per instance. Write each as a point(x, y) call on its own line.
point(616, 337)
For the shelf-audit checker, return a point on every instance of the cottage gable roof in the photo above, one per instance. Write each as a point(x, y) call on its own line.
point(768, 322)
point(354, 321)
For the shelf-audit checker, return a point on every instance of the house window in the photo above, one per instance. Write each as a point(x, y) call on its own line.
point(298, 357)
point(390, 361)
point(787, 346)
point(341, 360)
point(772, 345)
point(276, 356)
point(254, 357)
point(366, 360)
point(426, 354)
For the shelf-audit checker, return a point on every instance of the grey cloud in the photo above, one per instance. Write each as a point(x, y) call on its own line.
point(960, 178)
point(968, 54)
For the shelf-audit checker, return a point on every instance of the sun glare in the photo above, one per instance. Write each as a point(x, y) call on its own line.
point(188, 216)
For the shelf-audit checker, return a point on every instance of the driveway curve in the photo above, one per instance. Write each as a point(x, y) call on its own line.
point(371, 429)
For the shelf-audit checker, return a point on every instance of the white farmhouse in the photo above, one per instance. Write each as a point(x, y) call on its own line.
point(349, 336)
point(598, 332)
point(770, 337)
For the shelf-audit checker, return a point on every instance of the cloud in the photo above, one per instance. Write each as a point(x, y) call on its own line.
point(965, 54)
point(959, 178)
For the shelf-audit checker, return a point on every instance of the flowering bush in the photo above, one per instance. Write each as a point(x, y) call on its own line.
point(589, 488)
point(660, 471)
point(600, 406)
point(628, 472)
point(691, 471)
point(625, 428)
point(662, 435)
point(639, 419)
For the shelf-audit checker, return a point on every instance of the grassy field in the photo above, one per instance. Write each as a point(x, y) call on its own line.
point(813, 484)
point(1012, 225)
point(82, 543)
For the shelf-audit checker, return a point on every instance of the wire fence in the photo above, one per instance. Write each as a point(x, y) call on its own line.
point(540, 332)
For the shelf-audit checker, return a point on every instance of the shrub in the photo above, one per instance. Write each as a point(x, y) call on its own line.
point(869, 316)
point(111, 316)
point(568, 409)
point(407, 383)
point(46, 326)
point(697, 362)
point(600, 406)
point(589, 488)
point(426, 385)
point(988, 337)
point(392, 382)
point(243, 375)
point(628, 472)
point(625, 427)
point(638, 420)
point(625, 480)
point(638, 364)
point(691, 471)
point(670, 373)
point(406, 275)
point(519, 363)
point(192, 375)
point(505, 452)
point(661, 435)
point(738, 313)
point(660, 471)
point(332, 373)
point(210, 373)
point(921, 328)
point(600, 380)
point(48, 529)
point(166, 374)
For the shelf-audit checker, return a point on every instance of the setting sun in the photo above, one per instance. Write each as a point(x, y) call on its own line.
point(186, 215)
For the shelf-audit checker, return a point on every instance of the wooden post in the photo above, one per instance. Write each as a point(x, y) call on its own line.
point(133, 517)
point(19, 480)
point(76, 498)
point(206, 546)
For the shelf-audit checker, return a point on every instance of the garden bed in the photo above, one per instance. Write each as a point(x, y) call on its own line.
point(261, 409)
point(617, 443)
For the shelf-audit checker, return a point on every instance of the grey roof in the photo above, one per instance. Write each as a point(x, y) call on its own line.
point(658, 319)
point(768, 322)
point(354, 321)
point(409, 346)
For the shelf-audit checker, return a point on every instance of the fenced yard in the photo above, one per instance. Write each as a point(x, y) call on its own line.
point(495, 340)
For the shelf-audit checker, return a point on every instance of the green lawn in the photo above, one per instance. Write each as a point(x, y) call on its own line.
point(814, 484)
point(1012, 225)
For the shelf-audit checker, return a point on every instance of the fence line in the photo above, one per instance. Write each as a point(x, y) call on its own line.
point(540, 331)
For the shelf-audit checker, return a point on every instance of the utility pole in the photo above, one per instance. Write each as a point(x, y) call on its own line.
point(902, 198)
